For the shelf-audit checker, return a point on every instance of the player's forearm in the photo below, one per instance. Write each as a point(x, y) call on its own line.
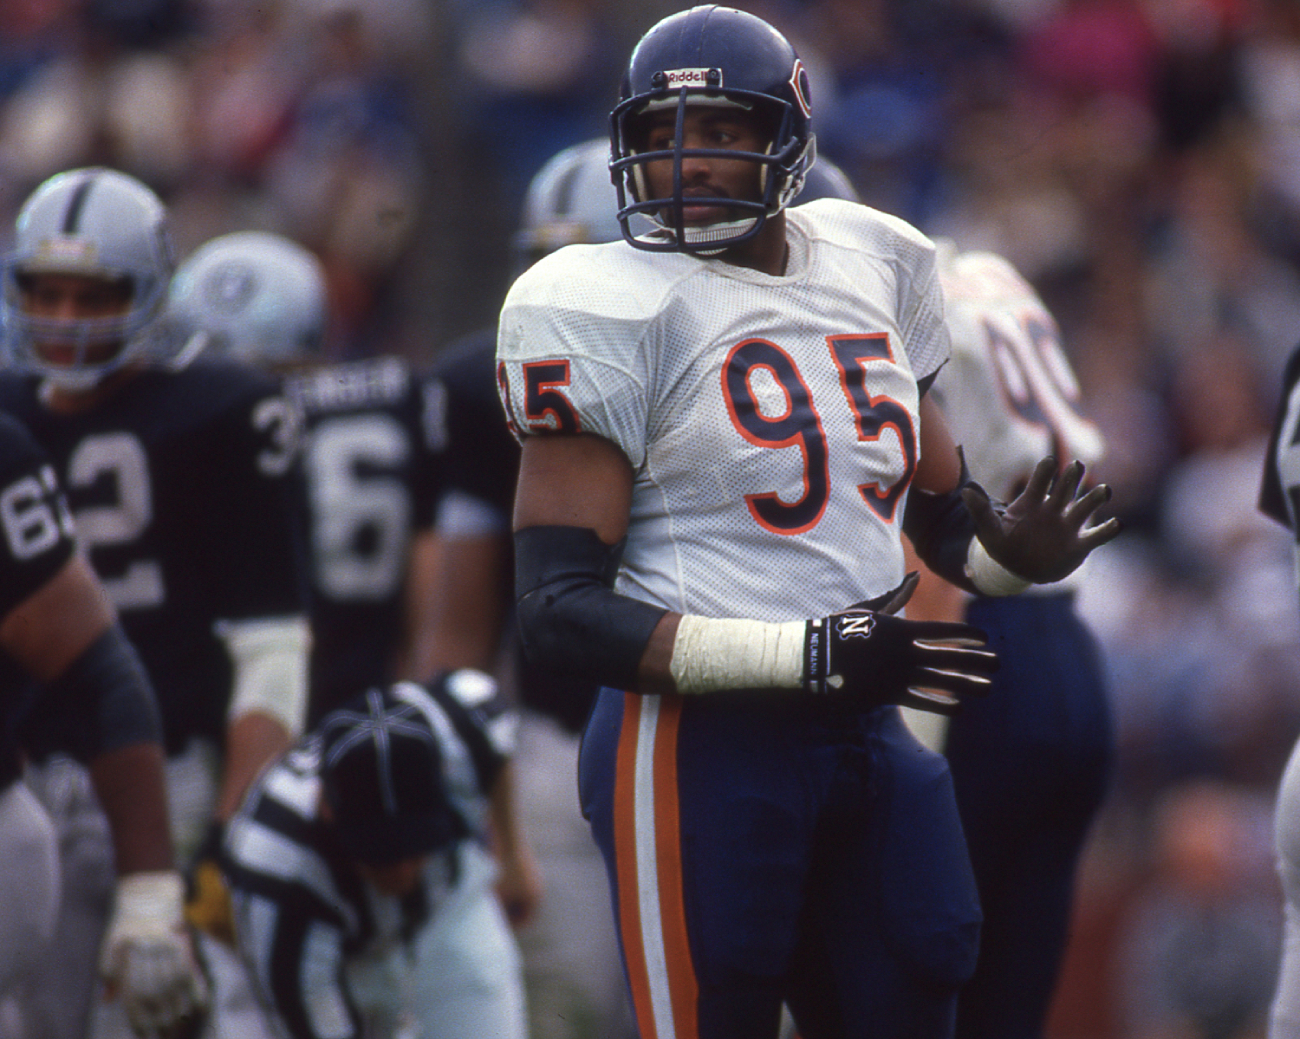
point(518, 884)
point(570, 618)
point(253, 740)
point(456, 607)
point(129, 784)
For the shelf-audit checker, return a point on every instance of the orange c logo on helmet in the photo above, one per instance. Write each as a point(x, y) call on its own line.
point(799, 84)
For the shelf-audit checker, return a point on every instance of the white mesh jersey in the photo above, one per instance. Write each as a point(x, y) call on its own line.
point(771, 422)
point(1009, 393)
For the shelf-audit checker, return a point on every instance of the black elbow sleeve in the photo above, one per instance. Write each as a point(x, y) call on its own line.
point(570, 618)
point(940, 528)
point(101, 702)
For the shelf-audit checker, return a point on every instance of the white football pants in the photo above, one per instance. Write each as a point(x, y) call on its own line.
point(1285, 1018)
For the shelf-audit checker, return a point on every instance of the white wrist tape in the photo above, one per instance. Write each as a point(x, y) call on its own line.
point(710, 655)
point(147, 906)
point(990, 576)
point(270, 661)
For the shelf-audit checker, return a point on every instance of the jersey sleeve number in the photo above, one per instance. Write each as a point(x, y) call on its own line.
point(121, 458)
point(800, 425)
point(543, 403)
point(34, 515)
point(361, 509)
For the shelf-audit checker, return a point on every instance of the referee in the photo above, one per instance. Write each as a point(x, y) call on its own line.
point(345, 859)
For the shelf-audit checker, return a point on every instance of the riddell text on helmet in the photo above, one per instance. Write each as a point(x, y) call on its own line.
point(687, 79)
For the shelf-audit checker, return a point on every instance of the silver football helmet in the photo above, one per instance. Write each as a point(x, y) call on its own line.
point(252, 295)
point(571, 200)
point(102, 224)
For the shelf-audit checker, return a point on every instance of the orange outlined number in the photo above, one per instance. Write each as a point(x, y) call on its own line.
point(799, 426)
point(545, 407)
point(852, 354)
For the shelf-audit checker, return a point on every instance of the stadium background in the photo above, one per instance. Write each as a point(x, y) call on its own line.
point(1139, 160)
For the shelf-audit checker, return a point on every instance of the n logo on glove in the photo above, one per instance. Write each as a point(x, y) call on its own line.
point(855, 625)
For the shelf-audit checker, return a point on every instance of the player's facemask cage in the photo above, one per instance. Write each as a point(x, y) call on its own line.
point(95, 347)
point(783, 167)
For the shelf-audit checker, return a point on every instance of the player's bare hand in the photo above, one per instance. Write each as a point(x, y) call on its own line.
point(1043, 535)
point(519, 887)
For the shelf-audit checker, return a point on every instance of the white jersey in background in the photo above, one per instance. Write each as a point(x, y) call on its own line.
point(704, 373)
point(1009, 393)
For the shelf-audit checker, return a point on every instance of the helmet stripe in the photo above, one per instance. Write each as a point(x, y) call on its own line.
point(565, 190)
point(76, 204)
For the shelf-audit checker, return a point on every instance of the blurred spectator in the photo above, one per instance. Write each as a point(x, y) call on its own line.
point(1199, 949)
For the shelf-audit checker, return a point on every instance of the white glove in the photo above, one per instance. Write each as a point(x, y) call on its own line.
point(147, 956)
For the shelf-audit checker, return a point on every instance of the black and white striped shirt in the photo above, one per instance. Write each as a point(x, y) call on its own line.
point(301, 910)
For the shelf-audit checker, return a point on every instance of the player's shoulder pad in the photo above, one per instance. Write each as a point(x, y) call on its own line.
point(982, 276)
point(857, 226)
point(467, 361)
point(212, 385)
point(17, 392)
point(611, 278)
point(19, 451)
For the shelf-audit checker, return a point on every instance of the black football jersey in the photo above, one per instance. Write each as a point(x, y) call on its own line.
point(483, 462)
point(482, 454)
point(371, 462)
point(36, 543)
point(182, 487)
point(1280, 488)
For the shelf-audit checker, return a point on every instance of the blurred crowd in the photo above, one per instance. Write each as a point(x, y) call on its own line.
point(1138, 160)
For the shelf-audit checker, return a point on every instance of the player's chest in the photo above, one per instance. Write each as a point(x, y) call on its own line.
point(776, 376)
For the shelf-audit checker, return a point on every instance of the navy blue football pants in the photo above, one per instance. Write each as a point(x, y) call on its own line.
point(1030, 763)
point(763, 848)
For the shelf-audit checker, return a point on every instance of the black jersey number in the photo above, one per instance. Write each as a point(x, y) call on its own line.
point(799, 425)
point(119, 458)
point(360, 507)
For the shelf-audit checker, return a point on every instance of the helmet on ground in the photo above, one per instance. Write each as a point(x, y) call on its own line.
point(719, 56)
point(252, 295)
point(94, 223)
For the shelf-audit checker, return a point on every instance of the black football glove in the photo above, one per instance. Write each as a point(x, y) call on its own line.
point(883, 659)
point(1041, 535)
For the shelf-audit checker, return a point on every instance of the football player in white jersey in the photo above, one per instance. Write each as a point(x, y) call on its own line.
point(721, 421)
point(1280, 498)
point(1030, 762)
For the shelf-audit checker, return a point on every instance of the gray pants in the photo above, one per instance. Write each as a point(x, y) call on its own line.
point(29, 892)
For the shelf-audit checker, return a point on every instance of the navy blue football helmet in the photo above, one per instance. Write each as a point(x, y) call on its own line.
point(711, 55)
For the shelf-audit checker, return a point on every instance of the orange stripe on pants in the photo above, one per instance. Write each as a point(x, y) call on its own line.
point(676, 994)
